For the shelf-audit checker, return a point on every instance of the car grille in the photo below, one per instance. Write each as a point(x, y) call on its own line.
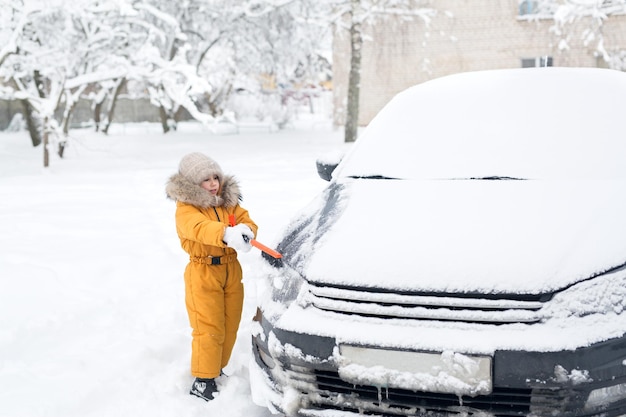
point(502, 402)
point(322, 389)
point(470, 308)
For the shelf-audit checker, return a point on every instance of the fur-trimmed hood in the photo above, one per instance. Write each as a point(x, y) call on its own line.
point(179, 188)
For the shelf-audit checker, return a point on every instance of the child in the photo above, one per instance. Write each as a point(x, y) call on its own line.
point(207, 201)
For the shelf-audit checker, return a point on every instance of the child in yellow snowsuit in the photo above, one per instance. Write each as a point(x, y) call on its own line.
point(207, 206)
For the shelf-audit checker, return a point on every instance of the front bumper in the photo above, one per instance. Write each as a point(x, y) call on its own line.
point(298, 374)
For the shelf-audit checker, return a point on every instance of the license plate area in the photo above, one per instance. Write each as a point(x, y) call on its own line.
point(446, 372)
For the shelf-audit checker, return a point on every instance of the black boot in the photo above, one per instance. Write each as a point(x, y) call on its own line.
point(204, 388)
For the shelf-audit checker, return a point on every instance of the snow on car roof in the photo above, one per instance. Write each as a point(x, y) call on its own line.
point(522, 123)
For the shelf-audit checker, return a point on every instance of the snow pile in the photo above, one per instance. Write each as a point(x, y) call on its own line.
point(92, 315)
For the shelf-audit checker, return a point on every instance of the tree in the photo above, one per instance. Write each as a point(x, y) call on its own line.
point(198, 53)
point(113, 93)
point(164, 60)
point(355, 17)
point(34, 64)
point(281, 44)
point(354, 79)
point(582, 20)
point(54, 53)
point(14, 21)
point(189, 55)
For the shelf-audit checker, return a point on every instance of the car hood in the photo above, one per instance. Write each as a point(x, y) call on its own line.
point(460, 236)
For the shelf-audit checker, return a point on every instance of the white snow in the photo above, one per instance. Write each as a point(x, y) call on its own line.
point(443, 130)
point(92, 315)
point(540, 235)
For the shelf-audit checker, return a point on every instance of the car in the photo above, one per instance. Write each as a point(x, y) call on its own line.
point(467, 257)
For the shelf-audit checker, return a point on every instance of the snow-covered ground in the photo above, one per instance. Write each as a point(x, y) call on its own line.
point(92, 315)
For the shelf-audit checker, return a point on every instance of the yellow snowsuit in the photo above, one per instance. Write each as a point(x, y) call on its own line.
point(213, 287)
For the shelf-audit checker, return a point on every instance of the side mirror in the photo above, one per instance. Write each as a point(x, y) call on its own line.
point(325, 169)
point(326, 164)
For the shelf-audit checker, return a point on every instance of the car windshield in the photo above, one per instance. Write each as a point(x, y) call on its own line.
point(539, 124)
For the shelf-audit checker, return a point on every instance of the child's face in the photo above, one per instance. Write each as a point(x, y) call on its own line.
point(212, 185)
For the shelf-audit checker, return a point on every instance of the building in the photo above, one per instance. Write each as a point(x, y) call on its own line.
point(465, 35)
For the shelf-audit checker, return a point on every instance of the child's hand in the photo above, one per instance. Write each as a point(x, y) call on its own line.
point(238, 237)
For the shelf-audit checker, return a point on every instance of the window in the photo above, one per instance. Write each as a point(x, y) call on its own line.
point(542, 61)
point(547, 8)
point(528, 7)
point(540, 8)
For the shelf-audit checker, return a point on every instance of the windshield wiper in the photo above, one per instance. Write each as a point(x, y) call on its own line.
point(497, 178)
point(487, 178)
point(372, 177)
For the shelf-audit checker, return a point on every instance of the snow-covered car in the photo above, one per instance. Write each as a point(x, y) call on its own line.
point(468, 257)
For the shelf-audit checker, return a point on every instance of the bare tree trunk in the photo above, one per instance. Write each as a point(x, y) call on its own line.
point(32, 116)
point(71, 100)
point(39, 83)
point(97, 109)
point(163, 116)
point(67, 116)
point(46, 153)
point(33, 122)
point(118, 88)
point(178, 116)
point(354, 82)
point(61, 149)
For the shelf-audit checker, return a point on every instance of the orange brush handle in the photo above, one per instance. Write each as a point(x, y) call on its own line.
point(271, 252)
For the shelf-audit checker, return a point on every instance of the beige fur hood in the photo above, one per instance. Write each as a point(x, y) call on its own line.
point(180, 188)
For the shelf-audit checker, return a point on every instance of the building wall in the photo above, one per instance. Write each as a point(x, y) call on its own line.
point(473, 35)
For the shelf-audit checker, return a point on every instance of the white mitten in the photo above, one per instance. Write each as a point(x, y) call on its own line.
point(245, 231)
point(238, 237)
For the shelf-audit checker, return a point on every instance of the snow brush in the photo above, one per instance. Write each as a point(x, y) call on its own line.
point(271, 252)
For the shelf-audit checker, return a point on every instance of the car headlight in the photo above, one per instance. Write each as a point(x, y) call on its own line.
point(604, 396)
point(604, 294)
point(279, 290)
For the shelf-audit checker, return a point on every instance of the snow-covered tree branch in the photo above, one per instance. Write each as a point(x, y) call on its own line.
point(581, 21)
point(193, 57)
